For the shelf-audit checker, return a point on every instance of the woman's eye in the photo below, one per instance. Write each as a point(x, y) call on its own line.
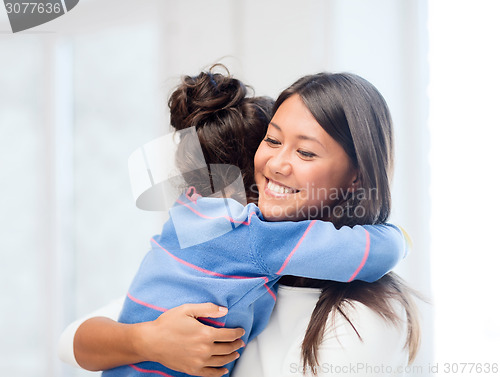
point(307, 154)
point(272, 142)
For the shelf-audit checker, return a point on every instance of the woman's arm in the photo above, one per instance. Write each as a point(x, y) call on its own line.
point(66, 340)
point(176, 339)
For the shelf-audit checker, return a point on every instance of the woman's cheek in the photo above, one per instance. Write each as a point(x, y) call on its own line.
point(261, 157)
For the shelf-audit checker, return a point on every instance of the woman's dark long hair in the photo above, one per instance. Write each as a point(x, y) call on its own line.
point(355, 114)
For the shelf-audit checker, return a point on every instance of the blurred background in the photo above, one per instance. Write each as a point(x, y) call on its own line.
point(79, 94)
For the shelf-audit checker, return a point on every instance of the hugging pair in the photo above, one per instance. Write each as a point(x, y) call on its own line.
point(326, 133)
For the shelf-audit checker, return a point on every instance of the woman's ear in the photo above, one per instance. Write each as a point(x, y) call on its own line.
point(355, 182)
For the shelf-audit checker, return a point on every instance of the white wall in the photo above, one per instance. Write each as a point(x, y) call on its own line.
point(465, 130)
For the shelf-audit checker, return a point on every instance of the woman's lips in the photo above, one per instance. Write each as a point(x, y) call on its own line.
point(277, 189)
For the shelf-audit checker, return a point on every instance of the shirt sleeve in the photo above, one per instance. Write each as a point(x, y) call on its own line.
point(65, 345)
point(316, 249)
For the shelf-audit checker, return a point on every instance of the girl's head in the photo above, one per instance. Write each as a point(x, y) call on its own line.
point(327, 153)
point(229, 124)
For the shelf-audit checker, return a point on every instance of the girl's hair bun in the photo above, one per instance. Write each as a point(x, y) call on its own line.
point(229, 125)
point(201, 99)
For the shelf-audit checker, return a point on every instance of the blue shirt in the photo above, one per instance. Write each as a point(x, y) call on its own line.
point(216, 250)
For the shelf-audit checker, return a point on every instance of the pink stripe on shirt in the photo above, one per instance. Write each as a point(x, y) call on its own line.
point(295, 248)
point(365, 257)
point(151, 306)
point(230, 219)
point(149, 371)
point(160, 309)
point(213, 273)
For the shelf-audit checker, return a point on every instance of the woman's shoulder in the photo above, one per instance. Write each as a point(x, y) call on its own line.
point(366, 319)
point(365, 339)
point(360, 338)
point(345, 350)
point(356, 320)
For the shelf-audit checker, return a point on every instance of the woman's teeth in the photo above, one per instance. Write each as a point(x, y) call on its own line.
point(279, 189)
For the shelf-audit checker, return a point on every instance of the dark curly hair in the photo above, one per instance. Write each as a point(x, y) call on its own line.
point(229, 122)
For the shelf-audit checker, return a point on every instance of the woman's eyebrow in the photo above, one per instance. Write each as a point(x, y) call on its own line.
point(301, 137)
point(275, 126)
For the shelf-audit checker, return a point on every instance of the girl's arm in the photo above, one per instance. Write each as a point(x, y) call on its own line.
point(176, 339)
point(313, 249)
point(316, 249)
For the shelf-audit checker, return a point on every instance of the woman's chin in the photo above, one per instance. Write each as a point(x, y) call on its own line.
point(272, 212)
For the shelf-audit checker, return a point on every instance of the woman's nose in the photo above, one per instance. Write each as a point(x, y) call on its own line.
point(280, 163)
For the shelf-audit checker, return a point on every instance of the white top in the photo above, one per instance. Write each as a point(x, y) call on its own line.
point(65, 346)
point(276, 351)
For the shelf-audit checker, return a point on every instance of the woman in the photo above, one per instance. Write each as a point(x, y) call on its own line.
point(327, 155)
point(337, 124)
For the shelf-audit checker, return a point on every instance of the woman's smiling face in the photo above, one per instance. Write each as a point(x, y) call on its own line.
point(299, 168)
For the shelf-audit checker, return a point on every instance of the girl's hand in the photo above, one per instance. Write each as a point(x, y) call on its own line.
point(179, 341)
